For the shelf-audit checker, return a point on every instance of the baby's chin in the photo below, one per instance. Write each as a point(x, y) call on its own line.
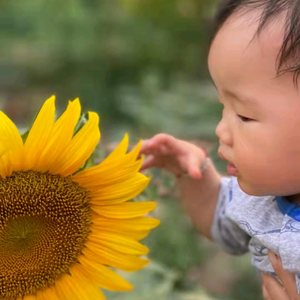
point(252, 189)
point(272, 189)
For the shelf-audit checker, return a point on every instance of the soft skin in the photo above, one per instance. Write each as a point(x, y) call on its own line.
point(259, 130)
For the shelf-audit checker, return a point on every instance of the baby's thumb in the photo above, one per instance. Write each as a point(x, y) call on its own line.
point(194, 172)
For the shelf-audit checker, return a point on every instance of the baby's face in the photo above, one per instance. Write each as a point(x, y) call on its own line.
point(260, 129)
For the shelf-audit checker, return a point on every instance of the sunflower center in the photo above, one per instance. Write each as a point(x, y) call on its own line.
point(44, 224)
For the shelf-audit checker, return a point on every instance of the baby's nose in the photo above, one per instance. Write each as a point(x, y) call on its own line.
point(224, 134)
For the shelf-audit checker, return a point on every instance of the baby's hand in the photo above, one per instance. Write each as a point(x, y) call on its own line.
point(272, 289)
point(177, 156)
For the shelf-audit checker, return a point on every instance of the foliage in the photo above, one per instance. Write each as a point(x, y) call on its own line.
point(186, 108)
point(142, 66)
point(88, 48)
point(246, 287)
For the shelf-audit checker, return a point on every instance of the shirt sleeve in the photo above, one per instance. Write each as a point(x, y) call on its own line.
point(225, 232)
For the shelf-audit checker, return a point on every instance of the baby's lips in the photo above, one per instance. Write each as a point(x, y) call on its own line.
point(232, 169)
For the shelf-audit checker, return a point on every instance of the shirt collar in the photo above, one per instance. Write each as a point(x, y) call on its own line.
point(288, 208)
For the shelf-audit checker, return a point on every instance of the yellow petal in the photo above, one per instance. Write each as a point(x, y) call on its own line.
point(78, 287)
point(9, 132)
point(134, 235)
point(125, 210)
point(120, 192)
point(137, 228)
point(31, 297)
point(102, 275)
point(118, 152)
point(60, 138)
point(135, 224)
point(71, 114)
point(5, 166)
point(119, 243)
point(119, 169)
point(136, 151)
point(109, 257)
point(49, 293)
point(39, 134)
point(11, 147)
point(80, 148)
point(91, 179)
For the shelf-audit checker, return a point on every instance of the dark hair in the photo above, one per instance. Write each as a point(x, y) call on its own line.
point(289, 54)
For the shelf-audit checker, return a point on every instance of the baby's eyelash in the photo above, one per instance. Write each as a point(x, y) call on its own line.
point(245, 119)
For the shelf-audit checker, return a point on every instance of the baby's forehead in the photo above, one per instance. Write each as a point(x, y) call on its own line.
point(244, 25)
point(245, 62)
point(238, 48)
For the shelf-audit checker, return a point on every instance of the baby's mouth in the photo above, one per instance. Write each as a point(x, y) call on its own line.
point(232, 169)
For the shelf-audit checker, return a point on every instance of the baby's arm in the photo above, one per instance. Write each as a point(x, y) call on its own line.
point(200, 196)
point(199, 192)
point(205, 196)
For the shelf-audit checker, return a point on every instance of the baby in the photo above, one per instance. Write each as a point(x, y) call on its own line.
point(254, 61)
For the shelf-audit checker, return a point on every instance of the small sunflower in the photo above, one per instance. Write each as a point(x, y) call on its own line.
point(64, 228)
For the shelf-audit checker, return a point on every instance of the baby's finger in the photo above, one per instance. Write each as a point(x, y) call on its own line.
point(194, 171)
point(164, 141)
point(286, 277)
point(266, 294)
point(145, 149)
point(160, 142)
point(144, 146)
point(148, 146)
point(274, 289)
point(149, 162)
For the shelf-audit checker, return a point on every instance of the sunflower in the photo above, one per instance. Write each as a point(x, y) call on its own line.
point(64, 229)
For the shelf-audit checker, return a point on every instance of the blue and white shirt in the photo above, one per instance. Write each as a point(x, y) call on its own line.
point(245, 223)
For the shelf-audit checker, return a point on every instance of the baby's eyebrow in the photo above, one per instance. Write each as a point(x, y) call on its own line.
point(241, 98)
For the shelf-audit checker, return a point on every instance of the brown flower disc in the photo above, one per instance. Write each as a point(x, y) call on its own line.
point(44, 224)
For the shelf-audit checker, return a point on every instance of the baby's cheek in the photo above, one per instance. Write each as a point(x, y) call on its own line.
point(267, 167)
point(255, 177)
point(259, 178)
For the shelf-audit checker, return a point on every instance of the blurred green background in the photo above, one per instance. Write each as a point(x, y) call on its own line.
point(141, 64)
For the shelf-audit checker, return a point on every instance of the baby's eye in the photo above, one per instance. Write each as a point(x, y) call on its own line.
point(245, 119)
